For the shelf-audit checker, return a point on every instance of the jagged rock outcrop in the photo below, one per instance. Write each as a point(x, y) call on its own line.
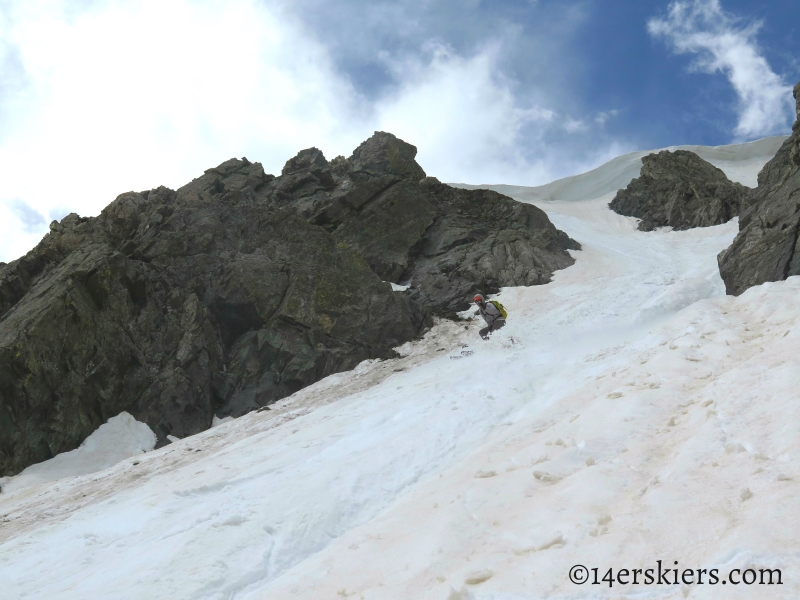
point(766, 247)
point(681, 190)
point(446, 242)
point(240, 288)
point(176, 306)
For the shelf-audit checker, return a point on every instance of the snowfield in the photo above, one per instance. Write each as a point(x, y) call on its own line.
point(629, 412)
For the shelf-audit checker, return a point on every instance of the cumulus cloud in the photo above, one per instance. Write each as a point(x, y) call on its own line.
point(463, 117)
point(110, 96)
point(129, 96)
point(723, 44)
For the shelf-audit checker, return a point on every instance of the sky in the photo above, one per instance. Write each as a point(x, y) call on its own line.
point(100, 97)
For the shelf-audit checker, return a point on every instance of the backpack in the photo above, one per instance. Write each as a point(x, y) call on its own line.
point(500, 307)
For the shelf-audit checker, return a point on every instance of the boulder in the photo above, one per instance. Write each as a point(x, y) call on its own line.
point(766, 247)
point(681, 190)
point(384, 154)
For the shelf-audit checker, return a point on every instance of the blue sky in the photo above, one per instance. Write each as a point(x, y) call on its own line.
point(661, 99)
point(98, 97)
point(587, 56)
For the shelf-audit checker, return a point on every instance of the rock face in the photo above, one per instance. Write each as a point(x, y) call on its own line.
point(681, 190)
point(241, 288)
point(766, 248)
point(446, 242)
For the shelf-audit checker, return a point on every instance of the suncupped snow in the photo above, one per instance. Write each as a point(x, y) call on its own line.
point(629, 412)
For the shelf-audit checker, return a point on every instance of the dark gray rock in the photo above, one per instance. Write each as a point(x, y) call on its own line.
point(310, 159)
point(384, 154)
point(480, 240)
point(681, 190)
point(766, 247)
point(448, 243)
point(241, 288)
point(176, 306)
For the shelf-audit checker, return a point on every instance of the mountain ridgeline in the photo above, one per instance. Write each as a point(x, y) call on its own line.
point(241, 288)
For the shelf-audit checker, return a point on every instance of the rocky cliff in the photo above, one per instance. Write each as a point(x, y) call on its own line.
point(766, 248)
point(681, 190)
point(240, 288)
point(447, 243)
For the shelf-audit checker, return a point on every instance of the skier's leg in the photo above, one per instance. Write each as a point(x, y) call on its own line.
point(485, 332)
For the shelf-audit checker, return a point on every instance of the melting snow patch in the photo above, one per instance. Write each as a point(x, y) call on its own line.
point(216, 421)
point(119, 438)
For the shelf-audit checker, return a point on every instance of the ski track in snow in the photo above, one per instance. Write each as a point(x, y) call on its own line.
point(629, 412)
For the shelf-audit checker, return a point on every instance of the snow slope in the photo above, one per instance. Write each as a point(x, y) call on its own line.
point(629, 412)
point(741, 162)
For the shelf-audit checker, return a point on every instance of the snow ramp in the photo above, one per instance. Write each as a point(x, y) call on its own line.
point(629, 412)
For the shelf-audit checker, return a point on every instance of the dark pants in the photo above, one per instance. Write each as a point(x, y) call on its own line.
point(498, 324)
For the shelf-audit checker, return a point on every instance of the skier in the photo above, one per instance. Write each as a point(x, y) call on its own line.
point(492, 314)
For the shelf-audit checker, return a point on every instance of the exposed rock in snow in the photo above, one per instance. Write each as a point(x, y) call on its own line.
point(465, 250)
point(768, 246)
point(241, 288)
point(629, 377)
point(176, 306)
point(680, 190)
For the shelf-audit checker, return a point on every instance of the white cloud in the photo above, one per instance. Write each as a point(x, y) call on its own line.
point(701, 27)
point(117, 96)
point(129, 96)
point(463, 118)
point(604, 116)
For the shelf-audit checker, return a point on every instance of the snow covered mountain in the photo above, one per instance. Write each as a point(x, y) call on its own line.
point(629, 413)
point(741, 162)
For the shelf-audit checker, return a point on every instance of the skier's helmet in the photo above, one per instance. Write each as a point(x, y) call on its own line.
point(478, 298)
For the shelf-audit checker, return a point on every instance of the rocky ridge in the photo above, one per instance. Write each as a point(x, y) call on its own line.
point(766, 247)
point(681, 190)
point(241, 287)
point(447, 243)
